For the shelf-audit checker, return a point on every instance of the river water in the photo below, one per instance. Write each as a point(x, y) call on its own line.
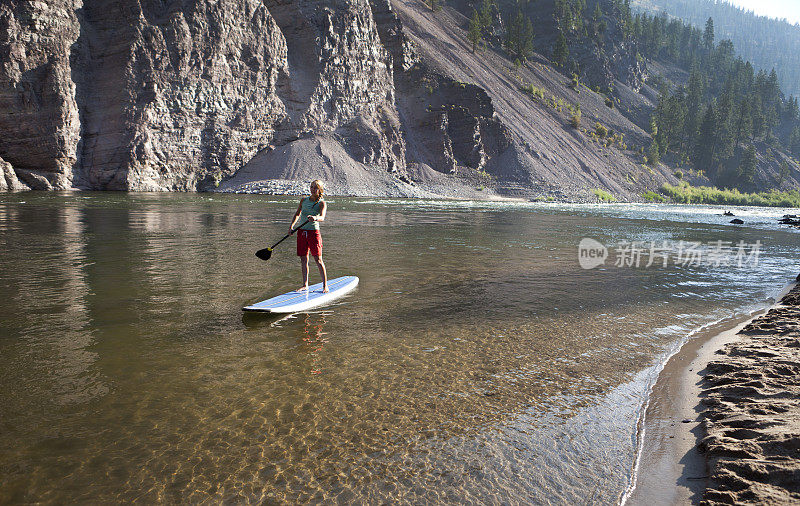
point(476, 362)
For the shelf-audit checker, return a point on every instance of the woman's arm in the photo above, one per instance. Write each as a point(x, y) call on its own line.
point(296, 215)
point(321, 216)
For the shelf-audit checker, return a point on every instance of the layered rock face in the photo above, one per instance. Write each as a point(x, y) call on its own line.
point(175, 92)
point(39, 120)
point(453, 122)
point(177, 95)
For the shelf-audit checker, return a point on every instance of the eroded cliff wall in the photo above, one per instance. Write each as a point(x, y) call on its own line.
point(177, 95)
point(39, 118)
point(173, 93)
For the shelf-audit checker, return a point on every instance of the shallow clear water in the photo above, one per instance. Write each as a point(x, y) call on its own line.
point(476, 361)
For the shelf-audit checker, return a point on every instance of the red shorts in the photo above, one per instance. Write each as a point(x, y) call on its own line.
point(309, 241)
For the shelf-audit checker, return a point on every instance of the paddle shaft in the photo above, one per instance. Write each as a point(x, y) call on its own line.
point(290, 233)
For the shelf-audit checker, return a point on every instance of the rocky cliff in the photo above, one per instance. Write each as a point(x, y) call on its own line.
point(176, 95)
point(375, 97)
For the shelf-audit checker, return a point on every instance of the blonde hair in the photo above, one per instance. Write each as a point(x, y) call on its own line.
point(319, 184)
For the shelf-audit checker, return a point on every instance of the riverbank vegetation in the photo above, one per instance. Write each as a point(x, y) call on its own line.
point(603, 196)
point(685, 193)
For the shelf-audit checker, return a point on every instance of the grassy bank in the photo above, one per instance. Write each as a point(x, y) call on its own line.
point(685, 193)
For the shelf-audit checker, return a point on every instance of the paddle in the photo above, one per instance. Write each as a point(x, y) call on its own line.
point(265, 253)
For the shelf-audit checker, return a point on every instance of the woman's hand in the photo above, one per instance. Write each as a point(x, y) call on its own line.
point(312, 218)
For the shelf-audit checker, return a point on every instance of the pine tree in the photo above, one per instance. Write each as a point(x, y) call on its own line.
point(695, 93)
point(561, 51)
point(653, 154)
point(624, 18)
point(708, 35)
point(673, 117)
point(474, 35)
point(598, 23)
point(707, 140)
point(519, 36)
point(794, 142)
point(783, 173)
point(759, 120)
point(744, 124)
point(747, 168)
point(725, 123)
point(792, 111)
point(486, 14)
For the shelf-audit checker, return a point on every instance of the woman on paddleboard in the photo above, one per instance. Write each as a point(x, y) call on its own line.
point(309, 239)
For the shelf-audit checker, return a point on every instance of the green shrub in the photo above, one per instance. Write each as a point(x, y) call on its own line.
point(678, 174)
point(603, 196)
point(600, 130)
point(534, 91)
point(651, 196)
point(575, 83)
point(609, 102)
point(575, 119)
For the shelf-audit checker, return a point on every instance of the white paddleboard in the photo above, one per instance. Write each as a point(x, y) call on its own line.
point(294, 302)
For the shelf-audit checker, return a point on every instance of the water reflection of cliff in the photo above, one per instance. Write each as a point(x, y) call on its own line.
point(48, 330)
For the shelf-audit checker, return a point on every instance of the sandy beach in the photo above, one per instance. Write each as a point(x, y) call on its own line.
point(723, 422)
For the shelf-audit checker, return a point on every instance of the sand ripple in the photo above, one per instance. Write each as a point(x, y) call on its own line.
point(752, 415)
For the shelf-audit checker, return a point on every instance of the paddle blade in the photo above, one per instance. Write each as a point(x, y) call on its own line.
point(264, 254)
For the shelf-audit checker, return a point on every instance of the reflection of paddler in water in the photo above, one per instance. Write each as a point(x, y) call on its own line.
point(309, 239)
point(313, 339)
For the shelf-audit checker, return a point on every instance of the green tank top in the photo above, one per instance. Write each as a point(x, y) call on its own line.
point(309, 208)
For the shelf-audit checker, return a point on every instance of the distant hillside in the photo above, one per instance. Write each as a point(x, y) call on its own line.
point(766, 43)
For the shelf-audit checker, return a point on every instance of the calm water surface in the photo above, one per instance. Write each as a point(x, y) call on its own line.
point(476, 362)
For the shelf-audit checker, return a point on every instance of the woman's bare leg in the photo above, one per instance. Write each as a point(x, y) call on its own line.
point(304, 270)
point(323, 273)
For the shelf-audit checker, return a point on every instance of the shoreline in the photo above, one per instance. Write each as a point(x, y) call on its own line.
point(674, 465)
point(428, 194)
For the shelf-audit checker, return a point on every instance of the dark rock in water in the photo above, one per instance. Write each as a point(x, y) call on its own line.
point(737, 221)
point(798, 277)
point(728, 213)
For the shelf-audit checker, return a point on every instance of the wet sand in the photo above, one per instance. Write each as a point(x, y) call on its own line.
point(723, 423)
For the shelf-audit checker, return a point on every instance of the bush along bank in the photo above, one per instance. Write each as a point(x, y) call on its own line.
point(685, 193)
